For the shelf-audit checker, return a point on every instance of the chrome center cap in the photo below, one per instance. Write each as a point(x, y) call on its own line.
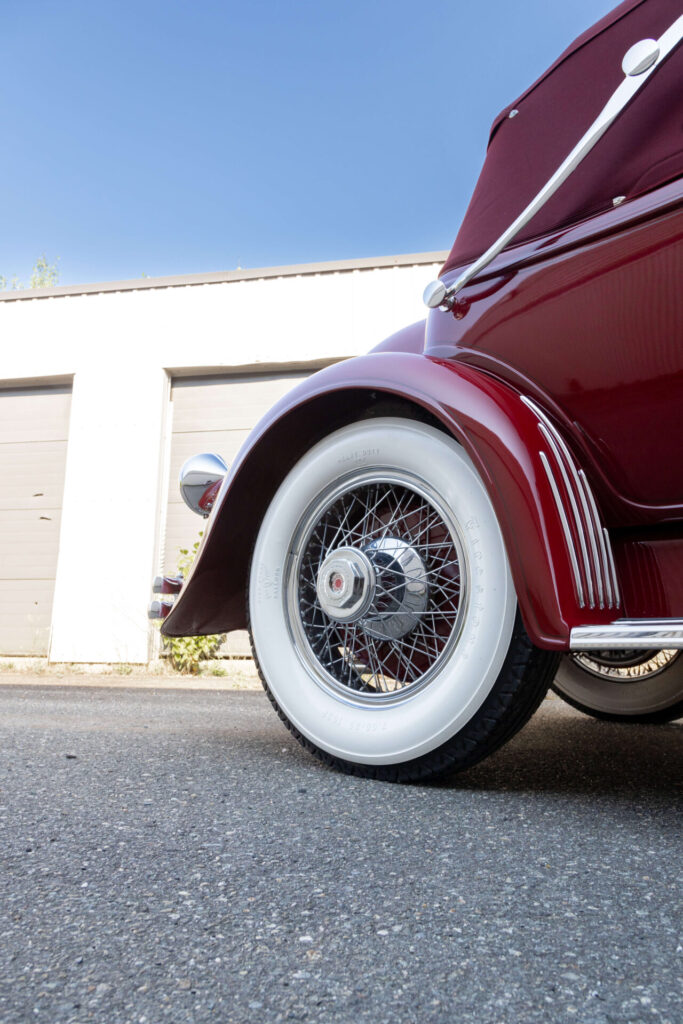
point(346, 584)
point(384, 588)
point(402, 589)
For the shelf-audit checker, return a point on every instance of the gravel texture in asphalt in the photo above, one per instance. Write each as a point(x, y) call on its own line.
point(175, 856)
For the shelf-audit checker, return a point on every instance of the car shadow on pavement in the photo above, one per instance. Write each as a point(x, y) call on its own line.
point(561, 750)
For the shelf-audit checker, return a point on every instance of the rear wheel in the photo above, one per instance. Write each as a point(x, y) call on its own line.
point(623, 686)
point(383, 616)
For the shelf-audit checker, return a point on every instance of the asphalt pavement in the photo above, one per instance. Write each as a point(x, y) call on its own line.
point(175, 856)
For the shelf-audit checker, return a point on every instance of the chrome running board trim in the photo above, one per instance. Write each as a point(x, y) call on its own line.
point(624, 634)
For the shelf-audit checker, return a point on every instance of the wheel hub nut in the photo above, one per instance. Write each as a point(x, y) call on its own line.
point(346, 584)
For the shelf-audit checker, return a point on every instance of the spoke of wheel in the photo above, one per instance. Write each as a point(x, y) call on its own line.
point(428, 632)
point(411, 672)
point(333, 542)
point(385, 676)
point(382, 511)
point(396, 516)
point(374, 662)
point(448, 590)
point(440, 568)
point(365, 529)
point(415, 647)
point(405, 505)
point(432, 520)
point(347, 668)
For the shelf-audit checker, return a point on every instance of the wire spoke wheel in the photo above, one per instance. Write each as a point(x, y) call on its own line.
point(386, 641)
point(623, 685)
point(625, 666)
point(383, 616)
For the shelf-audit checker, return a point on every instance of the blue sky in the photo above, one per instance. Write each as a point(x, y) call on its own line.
point(179, 137)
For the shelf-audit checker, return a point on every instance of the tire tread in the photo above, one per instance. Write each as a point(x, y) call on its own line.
point(524, 679)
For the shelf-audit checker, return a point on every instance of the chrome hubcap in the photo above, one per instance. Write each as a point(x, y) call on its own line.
point(402, 598)
point(376, 587)
point(346, 585)
point(384, 588)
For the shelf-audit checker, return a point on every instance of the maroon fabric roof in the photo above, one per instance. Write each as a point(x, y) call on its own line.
point(642, 149)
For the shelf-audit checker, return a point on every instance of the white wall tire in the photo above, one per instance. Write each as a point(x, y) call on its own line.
point(398, 723)
point(646, 687)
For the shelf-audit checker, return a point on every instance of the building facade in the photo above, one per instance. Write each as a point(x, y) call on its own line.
point(106, 389)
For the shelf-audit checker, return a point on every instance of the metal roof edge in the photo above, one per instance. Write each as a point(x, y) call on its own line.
point(229, 276)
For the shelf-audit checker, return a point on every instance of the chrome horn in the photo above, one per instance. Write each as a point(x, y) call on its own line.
point(200, 481)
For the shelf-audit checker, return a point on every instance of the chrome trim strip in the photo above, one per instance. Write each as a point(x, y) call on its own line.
point(613, 570)
point(566, 528)
point(623, 634)
point(623, 95)
point(603, 543)
point(588, 574)
point(600, 569)
point(594, 530)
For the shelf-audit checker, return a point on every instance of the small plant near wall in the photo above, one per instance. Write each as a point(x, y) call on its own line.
point(186, 652)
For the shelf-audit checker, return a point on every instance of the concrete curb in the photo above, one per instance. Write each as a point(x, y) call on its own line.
point(131, 682)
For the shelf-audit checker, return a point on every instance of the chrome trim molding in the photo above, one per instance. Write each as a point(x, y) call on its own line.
point(613, 571)
point(592, 561)
point(664, 634)
point(570, 490)
point(606, 563)
point(637, 71)
point(569, 540)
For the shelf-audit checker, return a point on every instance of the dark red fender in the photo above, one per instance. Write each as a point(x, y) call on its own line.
point(487, 416)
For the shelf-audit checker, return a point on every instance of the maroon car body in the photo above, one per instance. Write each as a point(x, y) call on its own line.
point(559, 368)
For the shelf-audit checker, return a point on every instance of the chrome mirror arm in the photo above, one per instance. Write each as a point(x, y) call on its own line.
point(639, 62)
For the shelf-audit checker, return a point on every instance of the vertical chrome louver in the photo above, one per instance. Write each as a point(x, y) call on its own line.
point(588, 543)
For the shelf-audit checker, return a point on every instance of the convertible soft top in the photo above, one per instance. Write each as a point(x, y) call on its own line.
point(533, 135)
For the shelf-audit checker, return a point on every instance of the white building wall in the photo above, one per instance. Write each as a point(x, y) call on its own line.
point(122, 348)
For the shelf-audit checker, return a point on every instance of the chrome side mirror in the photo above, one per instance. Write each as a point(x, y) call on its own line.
point(200, 481)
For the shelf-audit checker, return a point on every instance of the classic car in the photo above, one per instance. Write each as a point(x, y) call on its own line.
point(423, 539)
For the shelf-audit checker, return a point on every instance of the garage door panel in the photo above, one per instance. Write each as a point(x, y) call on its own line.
point(25, 616)
point(29, 543)
point(34, 427)
point(214, 415)
point(228, 404)
point(24, 640)
point(32, 474)
point(40, 414)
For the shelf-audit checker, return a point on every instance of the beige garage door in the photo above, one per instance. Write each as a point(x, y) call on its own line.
point(34, 427)
point(213, 414)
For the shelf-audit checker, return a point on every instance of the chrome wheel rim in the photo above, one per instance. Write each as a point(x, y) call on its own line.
point(376, 587)
point(625, 666)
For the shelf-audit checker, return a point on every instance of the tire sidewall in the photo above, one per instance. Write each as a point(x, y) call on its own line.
point(415, 726)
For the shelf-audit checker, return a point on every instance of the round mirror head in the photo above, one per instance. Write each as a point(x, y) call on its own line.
point(434, 294)
point(200, 481)
point(640, 57)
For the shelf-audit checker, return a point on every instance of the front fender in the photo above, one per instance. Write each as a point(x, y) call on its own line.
point(501, 435)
